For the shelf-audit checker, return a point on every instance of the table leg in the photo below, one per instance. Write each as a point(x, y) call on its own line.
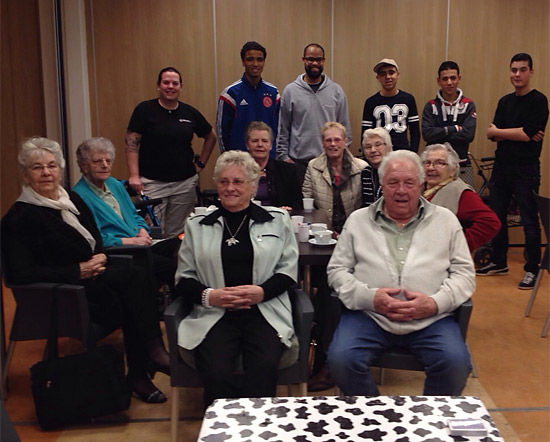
point(307, 280)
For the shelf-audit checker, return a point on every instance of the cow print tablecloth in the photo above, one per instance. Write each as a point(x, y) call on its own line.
point(333, 419)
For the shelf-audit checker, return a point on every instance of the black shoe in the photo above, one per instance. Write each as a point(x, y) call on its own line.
point(492, 269)
point(156, 397)
point(528, 281)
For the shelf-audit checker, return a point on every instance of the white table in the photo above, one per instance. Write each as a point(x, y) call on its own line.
point(333, 418)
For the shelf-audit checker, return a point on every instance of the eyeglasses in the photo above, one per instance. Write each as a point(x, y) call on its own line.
point(99, 162)
point(38, 168)
point(237, 182)
point(311, 60)
point(437, 163)
point(251, 59)
point(372, 146)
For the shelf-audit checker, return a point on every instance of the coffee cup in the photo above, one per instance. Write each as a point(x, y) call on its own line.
point(200, 210)
point(296, 220)
point(317, 227)
point(308, 205)
point(323, 236)
point(303, 232)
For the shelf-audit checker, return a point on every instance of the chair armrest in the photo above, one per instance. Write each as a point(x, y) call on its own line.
point(462, 316)
point(126, 260)
point(128, 249)
point(139, 255)
point(302, 313)
point(173, 315)
point(156, 232)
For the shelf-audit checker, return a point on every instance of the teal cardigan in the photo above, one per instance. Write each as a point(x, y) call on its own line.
point(112, 227)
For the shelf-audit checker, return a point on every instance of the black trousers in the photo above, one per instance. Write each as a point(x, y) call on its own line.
point(245, 335)
point(123, 295)
point(165, 260)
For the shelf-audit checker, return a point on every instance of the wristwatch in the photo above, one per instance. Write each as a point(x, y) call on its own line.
point(198, 162)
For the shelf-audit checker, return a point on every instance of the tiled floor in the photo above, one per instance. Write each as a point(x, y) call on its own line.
point(512, 361)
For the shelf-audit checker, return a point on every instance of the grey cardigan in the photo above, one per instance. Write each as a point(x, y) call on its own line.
point(438, 264)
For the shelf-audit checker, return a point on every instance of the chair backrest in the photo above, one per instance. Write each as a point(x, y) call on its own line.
point(32, 315)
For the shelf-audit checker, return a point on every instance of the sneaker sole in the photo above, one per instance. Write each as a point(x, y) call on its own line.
point(493, 273)
point(526, 288)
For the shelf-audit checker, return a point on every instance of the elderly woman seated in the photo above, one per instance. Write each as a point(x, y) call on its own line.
point(278, 185)
point(333, 179)
point(235, 266)
point(49, 235)
point(376, 144)
point(114, 211)
point(444, 188)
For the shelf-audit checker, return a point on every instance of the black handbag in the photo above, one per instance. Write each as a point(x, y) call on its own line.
point(77, 388)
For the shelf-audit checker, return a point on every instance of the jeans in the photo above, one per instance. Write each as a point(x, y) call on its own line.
point(359, 340)
point(519, 181)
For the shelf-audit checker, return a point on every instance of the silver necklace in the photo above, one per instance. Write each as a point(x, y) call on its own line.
point(232, 241)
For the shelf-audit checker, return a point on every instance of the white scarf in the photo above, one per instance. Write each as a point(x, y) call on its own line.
point(63, 204)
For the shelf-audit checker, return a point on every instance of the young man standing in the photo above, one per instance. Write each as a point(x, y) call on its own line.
point(248, 99)
point(307, 103)
point(518, 129)
point(451, 117)
point(392, 109)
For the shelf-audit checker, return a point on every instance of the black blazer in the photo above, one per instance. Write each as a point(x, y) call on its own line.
point(38, 246)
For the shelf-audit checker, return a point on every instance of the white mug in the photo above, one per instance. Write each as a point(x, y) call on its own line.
point(317, 227)
point(296, 220)
point(308, 205)
point(303, 232)
point(323, 236)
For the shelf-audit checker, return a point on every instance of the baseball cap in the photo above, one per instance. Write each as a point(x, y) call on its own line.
point(385, 61)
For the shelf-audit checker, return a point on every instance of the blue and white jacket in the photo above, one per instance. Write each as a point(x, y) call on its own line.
point(239, 104)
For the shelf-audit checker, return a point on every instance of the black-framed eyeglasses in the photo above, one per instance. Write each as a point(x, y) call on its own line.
point(311, 60)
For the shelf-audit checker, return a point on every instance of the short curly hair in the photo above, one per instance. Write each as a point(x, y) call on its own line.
point(38, 146)
point(241, 159)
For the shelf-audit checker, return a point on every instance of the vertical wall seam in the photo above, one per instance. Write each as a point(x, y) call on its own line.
point(448, 23)
point(94, 69)
point(332, 39)
point(215, 51)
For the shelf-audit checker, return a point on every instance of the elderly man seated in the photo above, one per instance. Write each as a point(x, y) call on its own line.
point(113, 210)
point(401, 266)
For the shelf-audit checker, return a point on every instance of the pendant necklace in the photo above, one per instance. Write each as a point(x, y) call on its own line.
point(232, 241)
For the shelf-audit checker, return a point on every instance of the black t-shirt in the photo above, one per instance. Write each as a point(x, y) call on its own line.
point(528, 111)
point(165, 152)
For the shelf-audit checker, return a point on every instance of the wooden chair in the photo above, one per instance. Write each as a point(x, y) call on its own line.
point(183, 375)
point(544, 210)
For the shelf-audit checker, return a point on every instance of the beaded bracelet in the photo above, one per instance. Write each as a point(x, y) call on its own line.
point(205, 297)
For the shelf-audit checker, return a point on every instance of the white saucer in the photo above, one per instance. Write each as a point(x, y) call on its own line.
point(315, 243)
